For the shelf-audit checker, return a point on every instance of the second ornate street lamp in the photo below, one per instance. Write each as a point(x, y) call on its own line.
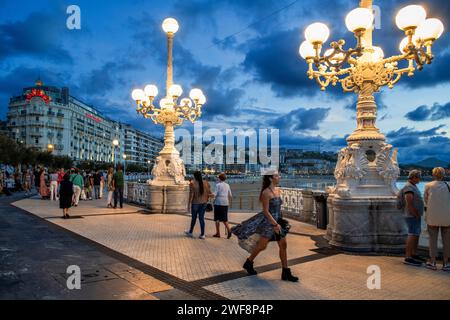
point(50, 148)
point(362, 207)
point(115, 144)
point(124, 164)
point(169, 190)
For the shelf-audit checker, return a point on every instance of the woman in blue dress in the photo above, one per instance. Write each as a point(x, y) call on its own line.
point(255, 233)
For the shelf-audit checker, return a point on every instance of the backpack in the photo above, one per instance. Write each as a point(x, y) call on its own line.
point(401, 200)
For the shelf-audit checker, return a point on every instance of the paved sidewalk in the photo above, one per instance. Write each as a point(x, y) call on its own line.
point(180, 268)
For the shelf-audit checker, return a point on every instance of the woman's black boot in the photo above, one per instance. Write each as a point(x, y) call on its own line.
point(286, 275)
point(248, 265)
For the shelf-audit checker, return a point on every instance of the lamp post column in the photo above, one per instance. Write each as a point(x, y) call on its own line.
point(367, 37)
point(169, 80)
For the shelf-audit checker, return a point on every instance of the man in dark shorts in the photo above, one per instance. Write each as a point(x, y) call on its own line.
point(413, 210)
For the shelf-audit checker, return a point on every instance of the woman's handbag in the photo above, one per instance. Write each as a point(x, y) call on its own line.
point(285, 227)
point(284, 230)
point(209, 207)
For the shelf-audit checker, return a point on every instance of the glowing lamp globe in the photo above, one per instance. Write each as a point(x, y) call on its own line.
point(430, 29)
point(378, 53)
point(170, 25)
point(151, 90)
point(202, 100)
point(410, 17)
point(166, 103)
point(317, 33)
point(146, 101)
point(306, 50)
point(175, 90)
point(195, 94)
point(138, 95)
point(359, 19)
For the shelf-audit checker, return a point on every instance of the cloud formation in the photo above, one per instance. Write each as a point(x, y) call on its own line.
point(433, 113)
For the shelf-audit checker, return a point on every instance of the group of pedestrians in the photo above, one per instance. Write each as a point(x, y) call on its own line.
point(199, 196)
point(435, 205)
point(255, 233)
point(92, 185)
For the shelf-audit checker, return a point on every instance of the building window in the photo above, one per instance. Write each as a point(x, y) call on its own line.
point(36, 141)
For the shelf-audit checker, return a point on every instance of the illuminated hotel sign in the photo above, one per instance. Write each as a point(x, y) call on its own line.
point(90, 116)
point(38, 93)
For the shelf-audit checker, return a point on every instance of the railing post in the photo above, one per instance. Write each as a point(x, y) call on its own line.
point(240, 202)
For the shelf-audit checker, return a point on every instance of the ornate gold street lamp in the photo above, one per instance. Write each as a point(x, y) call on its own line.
point(364, 70)
point(50, 148)
point(362, 206)
point(169, 170)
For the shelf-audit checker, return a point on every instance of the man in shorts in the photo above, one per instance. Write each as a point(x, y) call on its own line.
point(413, 210)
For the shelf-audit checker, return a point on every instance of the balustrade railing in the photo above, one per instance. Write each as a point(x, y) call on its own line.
point(298, 204)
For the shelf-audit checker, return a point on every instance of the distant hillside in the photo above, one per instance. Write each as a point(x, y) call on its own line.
point(431, 163)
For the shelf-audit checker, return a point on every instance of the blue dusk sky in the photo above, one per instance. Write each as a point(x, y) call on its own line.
point(242, 53)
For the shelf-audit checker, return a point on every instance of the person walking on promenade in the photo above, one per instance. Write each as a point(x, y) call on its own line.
point(78, 183)
point(437, 217)
point(110, 186)
point(89, 186)
point(27, 181)
point(43, 190)
point(102, 183)
point(53, 185)
point(413, 210)
point(96, 180)
point(118, 183)
point(266, 226)
point(199, 193)
point(66, 195)
point(37, 178)
point(61, 174)
point(222, 196)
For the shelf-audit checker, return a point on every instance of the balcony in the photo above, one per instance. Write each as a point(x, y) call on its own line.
point(60, 115)
point(36, 134)
point(51, 114)
point(36, 123)
point(36, 113)
point(55, 125)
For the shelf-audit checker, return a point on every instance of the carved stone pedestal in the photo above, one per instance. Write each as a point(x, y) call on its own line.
point(362, 207)
point(168, 191)
point(366, 225)
point(168, 199)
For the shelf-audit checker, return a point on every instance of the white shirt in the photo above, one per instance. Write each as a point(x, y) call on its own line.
point(437, 199)
point(222, 192)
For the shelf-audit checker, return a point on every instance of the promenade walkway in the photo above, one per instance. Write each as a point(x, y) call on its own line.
point(147, 256)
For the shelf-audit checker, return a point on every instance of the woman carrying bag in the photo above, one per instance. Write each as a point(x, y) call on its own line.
point(255, 233)
point(199, 194)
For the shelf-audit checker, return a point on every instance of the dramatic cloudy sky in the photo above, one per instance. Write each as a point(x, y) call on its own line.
point(242, 53)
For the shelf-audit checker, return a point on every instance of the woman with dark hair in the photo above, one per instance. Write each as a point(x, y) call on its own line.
point(255, 233)
point(66, 195)
point(199, 194)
